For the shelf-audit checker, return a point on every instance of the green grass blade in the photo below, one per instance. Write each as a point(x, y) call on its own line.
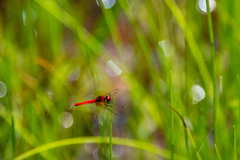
point(26, 135)
point(192, 44)
point(193, 143)
point(171, 115)
point(234, 145)
point(238, 92)
point(213, 72)
point(110, 136)
point(185, 134)
point(119, 141)
point(215, 146)
point(186, 143)
point(13, 139)
point(112, 24)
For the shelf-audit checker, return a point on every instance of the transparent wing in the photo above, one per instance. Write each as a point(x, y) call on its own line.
point(111, 93)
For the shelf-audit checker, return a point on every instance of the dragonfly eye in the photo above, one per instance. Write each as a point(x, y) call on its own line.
point(108, 98)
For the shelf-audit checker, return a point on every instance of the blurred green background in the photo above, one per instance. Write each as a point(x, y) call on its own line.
point(54, 54)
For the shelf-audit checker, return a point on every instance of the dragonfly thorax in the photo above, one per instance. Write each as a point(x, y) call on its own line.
point(100, 99)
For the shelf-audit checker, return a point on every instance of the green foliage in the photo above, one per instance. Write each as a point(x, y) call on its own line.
point(54, 54)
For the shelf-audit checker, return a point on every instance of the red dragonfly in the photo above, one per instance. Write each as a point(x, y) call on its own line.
point(103, 101)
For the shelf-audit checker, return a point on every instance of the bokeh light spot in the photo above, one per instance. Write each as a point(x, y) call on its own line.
point(35, 33)
point(127, 51)
point(220, 84)
point(165, 47)
point(115, 132)
point(112, 69)
point(107, 3)
point(90, 147)
point(49, 92)
point(66, 119)
point(24, 17)
point(197, 93)
point(102, 117)
point(95, 154)
point(117, 151)
point(95, 129)
point(163, 86)
point(3, 89)
point(33, 14)
point(188, 123)
point(202, 8)
point(75, 73)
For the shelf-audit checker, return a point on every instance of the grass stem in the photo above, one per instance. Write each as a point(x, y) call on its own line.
point(110, 135)
point(217, 152)
point(234, 145)
point(185, 132)
point(171, 115)
point(13, 139)
point(213, 72)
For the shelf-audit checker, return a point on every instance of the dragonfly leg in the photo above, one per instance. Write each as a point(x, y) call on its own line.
point(111, 111)
point(108, 104)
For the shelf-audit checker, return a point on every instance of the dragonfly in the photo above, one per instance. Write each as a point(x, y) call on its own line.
point(103, 101)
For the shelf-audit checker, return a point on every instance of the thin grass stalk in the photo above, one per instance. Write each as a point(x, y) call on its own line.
point(188, 132)
point(191, 42)
point(110, 135)
point(213, 72)
point(238, 86)
point(238, 120)
point(217, 152)
point(185, 134)
point(111, 24)
point(193, 143)
point(234, 145)
point(186, 143)
point(171, 115)
point(13, 139)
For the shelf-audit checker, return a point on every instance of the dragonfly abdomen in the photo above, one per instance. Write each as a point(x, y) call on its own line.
point(85, 102)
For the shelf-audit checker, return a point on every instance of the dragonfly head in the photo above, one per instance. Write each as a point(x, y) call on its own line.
point(108, 98)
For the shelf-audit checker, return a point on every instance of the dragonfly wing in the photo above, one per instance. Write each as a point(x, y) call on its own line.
point(111, 93)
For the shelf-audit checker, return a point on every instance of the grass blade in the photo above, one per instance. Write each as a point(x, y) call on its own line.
point(171, 115)
point(192, 43)
point(238, 92)
point(13, 138)
point(120, 141)
point(185, 132)
point(213, 72)
point(217, 152)
point(234, 145)
point(110, 135)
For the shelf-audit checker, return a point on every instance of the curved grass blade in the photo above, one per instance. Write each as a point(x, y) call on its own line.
point(119, 141)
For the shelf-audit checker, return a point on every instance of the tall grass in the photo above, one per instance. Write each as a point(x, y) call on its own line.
point(56, 53)
point(171, 114)
point(213, 73)
point(110, 134)
point(13, 136)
